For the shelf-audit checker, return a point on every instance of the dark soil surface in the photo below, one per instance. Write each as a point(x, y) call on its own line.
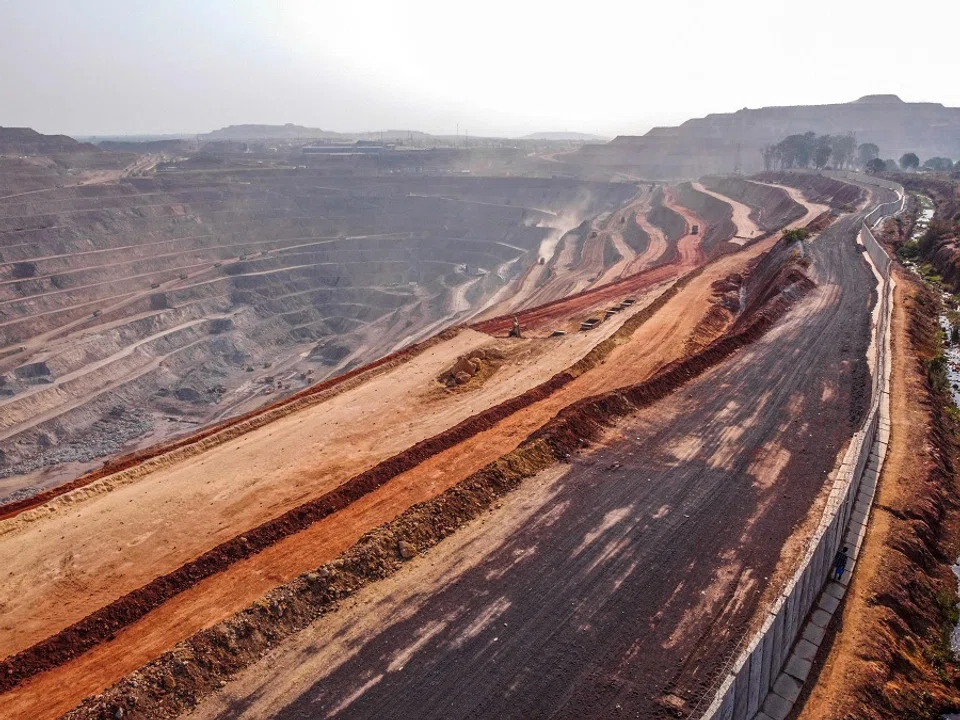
point(772, 207)
point(672, 223)
point(635, 236)
point(819, 188)
point(718, 214)
point(658, 547)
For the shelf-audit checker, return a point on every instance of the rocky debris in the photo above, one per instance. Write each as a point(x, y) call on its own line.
point(32, 371)
point(106, 436)
point(407, 550)
point(189, 394)
point(469, 366)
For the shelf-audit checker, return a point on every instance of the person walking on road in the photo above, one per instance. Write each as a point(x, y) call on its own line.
point(840, 563)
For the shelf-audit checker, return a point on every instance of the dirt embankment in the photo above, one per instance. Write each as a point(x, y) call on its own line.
point(772, 207)
point(939, 244)
point(635, 236)
point(819, 188)
point(238, 424)
point(889, 652)
point(172, 683)
point(670, 222)
point(717, 214)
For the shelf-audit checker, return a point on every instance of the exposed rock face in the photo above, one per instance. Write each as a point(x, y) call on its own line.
point(173, 293)
point(719, 142)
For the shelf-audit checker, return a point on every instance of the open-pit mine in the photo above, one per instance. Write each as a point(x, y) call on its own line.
point(438, 433)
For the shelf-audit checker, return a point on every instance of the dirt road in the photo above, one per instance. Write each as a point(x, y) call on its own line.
point(614, 586)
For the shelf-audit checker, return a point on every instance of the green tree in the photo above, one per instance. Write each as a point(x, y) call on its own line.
point(843, 148)
point(941, 164)
point(796, 234)
point(890, 165)
point(876, 165)
point(796, 151)
point(867, 152)
point(821, 156)
point(909, 161)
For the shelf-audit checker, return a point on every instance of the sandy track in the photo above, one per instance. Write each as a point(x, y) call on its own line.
point(617, 586)
point(655, 248)
point(747, 229)
point(663, 337)
point(813, 209)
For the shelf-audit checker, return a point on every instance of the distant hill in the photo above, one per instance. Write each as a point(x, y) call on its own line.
point(170, 146)
point(723, 142)
point(26, 141)
point(568, 136)
point(272, 132)
point(300, 132)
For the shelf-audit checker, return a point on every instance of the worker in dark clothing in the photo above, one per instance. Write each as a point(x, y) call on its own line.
point(840, 563)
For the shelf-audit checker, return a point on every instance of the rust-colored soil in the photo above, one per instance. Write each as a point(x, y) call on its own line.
point(888, 655)
point(429, 522)
point(659, 339)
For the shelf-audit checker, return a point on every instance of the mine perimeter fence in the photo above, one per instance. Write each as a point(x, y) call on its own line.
point(763, 656)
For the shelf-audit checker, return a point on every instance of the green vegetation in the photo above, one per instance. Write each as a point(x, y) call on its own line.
point(876, 165)
point(929, 273)
point(941, 653)
point(799, 151)
point(867, 153)
point(909, 161)
point(796, 234)
point(940, 164)
point(909, 250)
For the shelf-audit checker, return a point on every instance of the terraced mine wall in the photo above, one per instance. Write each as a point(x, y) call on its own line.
point(669, 221)
point(104, 623)
point(636, 237)
point(174, 299)
point(772, 208)
point(757, 667)
point(717, 214)
point(819, 188)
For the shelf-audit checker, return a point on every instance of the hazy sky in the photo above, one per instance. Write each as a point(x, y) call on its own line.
point(97, 67)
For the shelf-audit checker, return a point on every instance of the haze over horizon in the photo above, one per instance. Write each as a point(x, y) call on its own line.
point(497, 69)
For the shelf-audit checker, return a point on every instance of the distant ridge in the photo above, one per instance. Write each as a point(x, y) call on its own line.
point(728, 142)
point(270, 132)
point(26, 141)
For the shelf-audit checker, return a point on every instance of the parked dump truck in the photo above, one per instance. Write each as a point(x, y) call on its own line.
point(695, 230)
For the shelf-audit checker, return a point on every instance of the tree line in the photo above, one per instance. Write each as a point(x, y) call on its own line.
point(841, 152)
